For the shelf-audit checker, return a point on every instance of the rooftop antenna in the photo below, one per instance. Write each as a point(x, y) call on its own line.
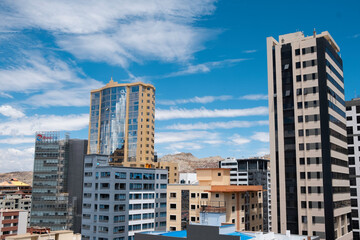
point(314, 32)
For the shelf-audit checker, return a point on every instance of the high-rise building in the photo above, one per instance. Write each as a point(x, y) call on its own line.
point(120, 201)
point(214, 201)
point(57, 187)
point(253, 172)
point(122, 126)
point(122, 123)
point(308, 144)
point(353, 137)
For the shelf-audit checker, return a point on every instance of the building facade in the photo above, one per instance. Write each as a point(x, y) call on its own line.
point(308, 145)
point(254, 171)
point(12, 222)
point(213, 201)
point(120, 201)
point(122, 122)
point(56, 188)
point(353, 137)
point(15, 194)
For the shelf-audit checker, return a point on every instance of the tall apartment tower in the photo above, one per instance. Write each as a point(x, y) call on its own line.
point(122, 123)
point(308, 145)
point(353, 131)
point(57, 182)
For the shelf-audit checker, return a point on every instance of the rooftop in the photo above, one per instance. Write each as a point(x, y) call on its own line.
point(229, 230)
point(234, 188)
point(13, 183)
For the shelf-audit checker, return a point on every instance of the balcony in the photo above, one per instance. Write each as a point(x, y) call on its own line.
point(213, 206)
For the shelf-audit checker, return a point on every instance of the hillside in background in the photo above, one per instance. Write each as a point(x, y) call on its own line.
point(25, 177)
point(188, 162)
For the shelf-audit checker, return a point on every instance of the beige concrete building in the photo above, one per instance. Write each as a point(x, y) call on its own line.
point(308, 148)
point(49, 235)
point(213, 201)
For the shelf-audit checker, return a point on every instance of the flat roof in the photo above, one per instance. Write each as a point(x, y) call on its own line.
point(234, 188)
point(13, 183)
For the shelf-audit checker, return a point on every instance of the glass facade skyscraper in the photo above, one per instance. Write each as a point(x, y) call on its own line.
point(57, 181)
point(122, 123)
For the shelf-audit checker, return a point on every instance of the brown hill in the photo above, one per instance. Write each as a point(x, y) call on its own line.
point(26, 176)
point(188, 162)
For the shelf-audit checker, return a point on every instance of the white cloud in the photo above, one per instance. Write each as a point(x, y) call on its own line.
point(181, 146)
point(17, 140)
point(250, 51)
point(238, 140)
point(255, 97)
point(29, 125)
point(203, 100)
point(261, 136)
point(35, 72)
point(51, 82)
point(116, 32)
point(214, 125)
point(171, 137)
point(5, 95)
point(9, 111)
point(205, 67)
point(175, 113)
point(16, 159)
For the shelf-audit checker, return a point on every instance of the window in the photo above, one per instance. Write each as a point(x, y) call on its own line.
point(233, 208)
point(172, 205)
point(298, 65)
point(173, 217)
point(193, 207)
point(193, 195)
point(204, 195)
point(219, 174)
point(173, 195)
point(301, 132)
point(217, 195)
point(297, 52)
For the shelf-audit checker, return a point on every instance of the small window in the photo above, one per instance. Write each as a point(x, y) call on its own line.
point(297, 52)
point(204, 195)
point(217, 195)
point(172, 217)
point(172, 205)
point(219, 174)
point(298, 65)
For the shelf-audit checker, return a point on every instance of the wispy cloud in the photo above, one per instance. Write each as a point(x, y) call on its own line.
point(203, 100)
point(48, 80)
point(116, 32)
point(261, 136)
point(5, 95)
point(215, 125)
point(206, 67)
point(254, 97)
point(177, 113)
point(170, 137)
point(355, 35)
point(9, 111)
point(250, 51)
point(238, 140)
point(29, 125)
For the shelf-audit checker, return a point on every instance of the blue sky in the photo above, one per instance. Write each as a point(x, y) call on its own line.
point(207, 60)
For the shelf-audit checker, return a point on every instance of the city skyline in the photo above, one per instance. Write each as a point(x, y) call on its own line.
point(207, 62)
